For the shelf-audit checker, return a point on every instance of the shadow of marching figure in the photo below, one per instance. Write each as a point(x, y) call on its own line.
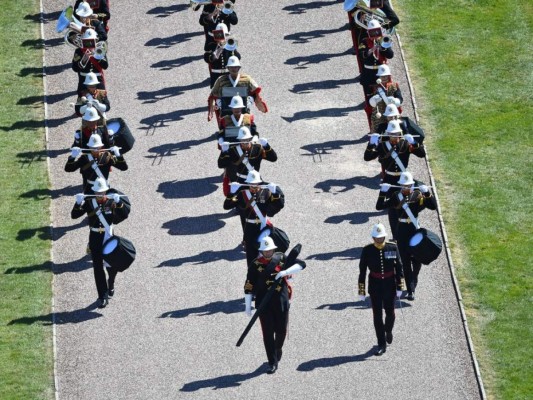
point(164, 43)
point(303, 7)
point(167, 65)
point(165, 93)
point(327, 147)
point(163, 120)
point(225, 307)
point(306, 37)
point(342, 306)
point(39, 43)
point(167, 150)
point(302, 61)
point(335, 112)
point(309, 366)
point(71, 267)
point(61, 318)
point(353, 253)
point(33, 124)
point(28, 157)
point(305, 88)
point(41, 194)
point(47, 17)
point(348, 184)
point(43, 232)
point(354, 218)
point(50, 70)
point(162, 12)
point(206, 257)
point(50, 99)
point(189, 189)
point(196, 225)
point(222, 382)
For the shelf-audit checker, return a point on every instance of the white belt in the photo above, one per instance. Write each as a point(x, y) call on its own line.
point(219, 71)
point(406, 220)
point(253, 221)
point(85, 73)
point(371, 66)
point(99, 230)
point(393, 173)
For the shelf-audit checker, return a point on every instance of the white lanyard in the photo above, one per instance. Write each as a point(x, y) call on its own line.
point(108, 228)
point(412, 217)
point(234, 82)
point(94, 166)
point(395, 156)
point(256, 209)
point(245, 159)
point(235, 122)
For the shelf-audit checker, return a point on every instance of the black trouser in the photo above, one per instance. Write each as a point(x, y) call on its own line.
point(382, 294)
point(411, 266)
point(392, 212)
point(96, 241)
point(274, 324)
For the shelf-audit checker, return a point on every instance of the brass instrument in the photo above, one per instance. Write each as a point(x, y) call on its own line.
point(227, 5)
point(363, 14)
point(98, 53)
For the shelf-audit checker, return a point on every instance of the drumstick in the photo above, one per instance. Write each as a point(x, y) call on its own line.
point(383, 135)
point(398, 186)
point(89, 150)
point(252, 185)
point(101, 195)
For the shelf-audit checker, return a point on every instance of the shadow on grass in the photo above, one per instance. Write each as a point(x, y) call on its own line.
point(41, 194)
point(43, 232)
point(61, 318)
point(206, 257)
point(222, 382)
point(71, 267)
point(224, 307)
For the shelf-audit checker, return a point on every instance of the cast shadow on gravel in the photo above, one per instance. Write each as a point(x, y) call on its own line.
point(335, 112)
point(216, 307)
point(200, 225)
point(309, 366)
point(206, 257)
point(71, 267)
point(223, 382)
point(325, 148)
point(50, 99)
point(164, 43)
point(163, 120)
point(61, 318)
point(355, 218)
point(47, 17)
point(301, 8)
point(353, 253)
point(167, 65)
point(190, 188)
point(344, 185)
point(171, 149)
point(167, 92)
point(163, 12)
point(302, 62)
point(306, 37)
point(309, 87)
point(357, 305)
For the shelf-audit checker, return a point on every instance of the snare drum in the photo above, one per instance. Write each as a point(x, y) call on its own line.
point(425, 246)
point(119, 253)
point(122, 136)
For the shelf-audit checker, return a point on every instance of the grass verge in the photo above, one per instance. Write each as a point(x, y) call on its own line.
point(472, 64)
point(25, 278)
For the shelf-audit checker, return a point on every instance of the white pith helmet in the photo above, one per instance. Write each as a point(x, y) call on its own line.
point(236, 102)
point(84, 9)
point(100, 185)
point(383, 70)
point(394, 126)
point(95, 141)
point(267, 244)
point(233, 61)
point(391, 111)
point(91, 79)
point(253, 178)
point(222, 27)
point(89, 34)
point(373, 24)
point(379, 231)
point(244, 133)
point(406, 178)
point(91, 114)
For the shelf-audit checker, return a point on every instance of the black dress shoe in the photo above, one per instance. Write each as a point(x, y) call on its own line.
point(272, 368)
point(111, 293)
point(102, 303)
point(279, 353)
point(410, 296)
point(388, 337)
point(380, 350)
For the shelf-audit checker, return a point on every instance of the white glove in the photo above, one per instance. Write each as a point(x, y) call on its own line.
point(248, 304)
point(272, 188)
point(234, 186)
point(399, 294)
point(80, 197)
point(224, 146)
point(115, 150)
point(281, 274)
point(374, 100)
point(423, 188)
point(115, 197)
point(362, 297)
point(385, 187)
point(101, 107)
point(75, 152)
point(397, 102)
point(263, 142)
point(409, 138)
point(374, 139)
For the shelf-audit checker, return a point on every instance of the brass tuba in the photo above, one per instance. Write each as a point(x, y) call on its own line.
point(363, 14)
point(73, 34)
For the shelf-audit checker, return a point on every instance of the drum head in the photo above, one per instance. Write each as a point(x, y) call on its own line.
point(113, 125)
point(110, 245)
point(416, 239)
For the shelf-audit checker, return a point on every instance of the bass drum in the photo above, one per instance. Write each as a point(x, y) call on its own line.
point(119, 253)
point(122, 136)
point(425, 246)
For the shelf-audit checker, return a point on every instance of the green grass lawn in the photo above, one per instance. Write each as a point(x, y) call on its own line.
point(472, 65)
point(26, 364)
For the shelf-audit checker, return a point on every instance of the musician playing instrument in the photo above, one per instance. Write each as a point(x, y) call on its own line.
point(239, 117)
point(385, 92)
point(214, 14)
point(218, 53)
point(104, 209)
point(256, 201)
point(87, 60)
point(89, 126)
point(100, 10)
point(92, 96)
point(408, 201)
point(267, 269)
point(95, 164)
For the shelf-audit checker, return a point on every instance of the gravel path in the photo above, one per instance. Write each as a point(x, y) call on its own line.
point(170, 331)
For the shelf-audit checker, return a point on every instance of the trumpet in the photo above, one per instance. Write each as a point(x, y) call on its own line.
point(98, 53)
point(227, 6)
point(385, 41)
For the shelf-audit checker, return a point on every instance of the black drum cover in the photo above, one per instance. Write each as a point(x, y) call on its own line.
point(280, 238)
point(122, 137)
point(119, 253)
point(425, 246)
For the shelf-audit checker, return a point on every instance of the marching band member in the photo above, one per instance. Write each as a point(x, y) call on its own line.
point(105, 208)
point(218, 53)
point(385, 283)
point(214, 14)
point(92, 96)
point(95, 164)
point(256, 201)
point(100, 10)
point(235, 79)
point(385, 92)
point(86, 61)
point(90, 124)
point(268, 269)
point(85, 15)
point(237, 118)
point(408, 201)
